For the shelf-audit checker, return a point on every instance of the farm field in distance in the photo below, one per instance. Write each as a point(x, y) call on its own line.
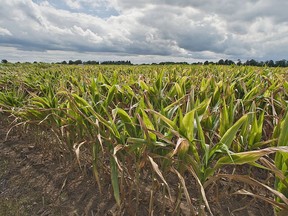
point(145, 140)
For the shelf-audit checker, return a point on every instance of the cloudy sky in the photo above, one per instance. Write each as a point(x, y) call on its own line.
point(143, 30)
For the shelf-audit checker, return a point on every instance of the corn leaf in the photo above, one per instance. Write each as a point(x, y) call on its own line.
point(114, 180)
point(128, 122)
point(229, 136)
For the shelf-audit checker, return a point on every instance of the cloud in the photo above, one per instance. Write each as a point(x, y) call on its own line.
point(4, 31)
point(180, 29)
point(74, 4)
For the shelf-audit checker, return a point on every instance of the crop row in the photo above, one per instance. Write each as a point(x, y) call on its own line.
point(160, 120)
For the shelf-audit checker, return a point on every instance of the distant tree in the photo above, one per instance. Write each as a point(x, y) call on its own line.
point(206, 63)
point(229, 62)
point(221, 62)
point(270, 63)
point(281, 63)
point(91, 62)
point(77, 62)
point(116, 63)
point(251, 62)
point(4, 61)
point(239, 63)
point(64, 62)
point(170, 63)
point(261, 63)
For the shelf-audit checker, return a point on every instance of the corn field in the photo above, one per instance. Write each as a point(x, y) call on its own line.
point(162, 131)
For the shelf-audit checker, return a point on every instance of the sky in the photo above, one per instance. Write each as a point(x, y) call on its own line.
point(143, 31)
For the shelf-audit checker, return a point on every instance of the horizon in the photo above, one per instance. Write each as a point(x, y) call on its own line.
point(143, 31)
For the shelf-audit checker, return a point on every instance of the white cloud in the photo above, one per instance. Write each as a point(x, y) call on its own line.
point(4, 31)
point(180, 29)
point(73, 4)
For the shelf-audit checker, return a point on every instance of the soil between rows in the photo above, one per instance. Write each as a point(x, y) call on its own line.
point(38, 178)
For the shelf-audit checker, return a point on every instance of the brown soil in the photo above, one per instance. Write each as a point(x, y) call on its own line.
point(41, 179)
point(35, 180)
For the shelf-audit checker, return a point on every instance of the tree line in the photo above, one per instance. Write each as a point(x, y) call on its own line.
point(79, 62)
point(252, 62)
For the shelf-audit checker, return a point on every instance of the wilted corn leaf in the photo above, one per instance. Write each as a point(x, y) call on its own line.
point(249, 157)
point(159, 173)
point(186, 193)
point(272, 202)
point(202, 190)
point(248, 180)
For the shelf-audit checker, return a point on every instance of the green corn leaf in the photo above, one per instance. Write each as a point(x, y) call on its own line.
point(216, 96)
point(148, 124)
point(204, 84)
point(129, 90)
point(260, 127)
point(187, 125)
point(179, 90)
point(110, 96)
point(252, 93)
point(159, 81)
point(254, 129)
point(143, 85)
point(81, 101)
point(224, 119)
point(176, 103)
point(114, 180)
point(283, 137)
point(201, 138)
point(203, 107)
point(169, 122)
point(41, 102)
point(229, 136)
point(128, 122)
point(281, 158)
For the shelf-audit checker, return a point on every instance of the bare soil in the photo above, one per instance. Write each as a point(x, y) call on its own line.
point(39, 178)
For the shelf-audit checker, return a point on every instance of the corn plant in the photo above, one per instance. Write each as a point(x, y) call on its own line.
point(160, 120)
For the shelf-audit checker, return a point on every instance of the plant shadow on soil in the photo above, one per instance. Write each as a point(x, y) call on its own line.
point(39, 178)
